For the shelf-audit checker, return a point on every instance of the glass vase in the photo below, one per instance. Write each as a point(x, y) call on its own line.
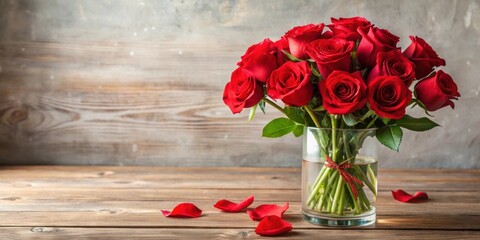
point(339, 176)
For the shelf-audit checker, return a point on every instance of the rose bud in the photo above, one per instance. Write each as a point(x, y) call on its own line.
point(331, 54)
point(388, 96)
point(437, 91)
point(374, 40)
point(243, 91)
point(423, 56)
point(300, 37)
point(343, 92)
point(291, 84)
point(393, 63)
point(261, 59)
point(346, 28)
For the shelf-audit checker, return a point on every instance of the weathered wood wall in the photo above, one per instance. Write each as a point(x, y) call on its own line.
point(140, 82)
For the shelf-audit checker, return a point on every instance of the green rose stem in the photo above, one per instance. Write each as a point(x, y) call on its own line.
point(330, 192)
point(316, 189)
point(371, 174)
point(361, 175)
point(338, 186)
point(358, 172)
point(312, 115)
point(372, 122)
point(274, 105)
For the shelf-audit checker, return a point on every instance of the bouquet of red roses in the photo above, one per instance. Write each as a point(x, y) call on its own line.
point(348, 74)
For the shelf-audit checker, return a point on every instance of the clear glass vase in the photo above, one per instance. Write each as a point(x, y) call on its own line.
point(339, 176)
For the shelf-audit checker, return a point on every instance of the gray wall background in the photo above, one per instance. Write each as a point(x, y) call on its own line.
point(140, 82)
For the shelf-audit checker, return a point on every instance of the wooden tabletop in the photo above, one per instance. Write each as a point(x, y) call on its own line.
point(69, 202)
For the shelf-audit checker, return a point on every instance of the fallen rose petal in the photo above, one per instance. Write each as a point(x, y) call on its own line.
point(273, 225)
point(266, 210)
point(228, 206)
point(403, 196)
point(183, 210)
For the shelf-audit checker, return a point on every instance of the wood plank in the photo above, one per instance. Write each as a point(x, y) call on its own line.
point(105, 197)
point(173, 182)
point(253, 183)
point(164, 194)
point(158, 194)
point(141, 112)
point(58, 171)
point(251, 178)
point(147, 115)
point(386, 205)
point(107, 129)
point(150, 219)
point(41, 233)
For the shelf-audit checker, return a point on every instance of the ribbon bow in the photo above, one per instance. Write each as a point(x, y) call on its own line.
point(347, 177)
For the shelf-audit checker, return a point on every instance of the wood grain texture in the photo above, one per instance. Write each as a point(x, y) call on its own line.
point(224, 233)
point(59, 202)
point(140, 83)
point(171, 177)
point(388, 207)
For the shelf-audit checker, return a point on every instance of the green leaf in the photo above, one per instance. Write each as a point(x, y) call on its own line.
point(325, 122)
point(359, 138)
point(252, 112)
point(298, 131)
point(350, 119)
point(324, 139)
point(295, 114)
point(291, 57)
point(416, 124)
point(278, 127)
point(390, 137)
point(385, 120)
point(262, 106)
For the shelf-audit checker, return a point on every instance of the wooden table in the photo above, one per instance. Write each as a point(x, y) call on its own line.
point(61, 202)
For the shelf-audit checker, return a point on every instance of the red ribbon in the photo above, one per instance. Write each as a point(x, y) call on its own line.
point(347, 177)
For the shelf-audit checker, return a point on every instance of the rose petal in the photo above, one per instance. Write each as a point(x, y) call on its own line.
point(266, 210)
point(403, 196)
point(183, 210)
point(273, 225)
point(228, 206)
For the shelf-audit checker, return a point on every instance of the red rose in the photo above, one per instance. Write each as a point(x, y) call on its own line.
point(343, 92)
point(261, 59)
point(327, 35)
point(424, 57)
point(243, 91)
point(291, 84)
point(393, 63)
point(331, 54)
point(300, 37)
point(374, 40)
point(388, 96)
point(282, 44)
point(346, 28)
point(437, 91)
